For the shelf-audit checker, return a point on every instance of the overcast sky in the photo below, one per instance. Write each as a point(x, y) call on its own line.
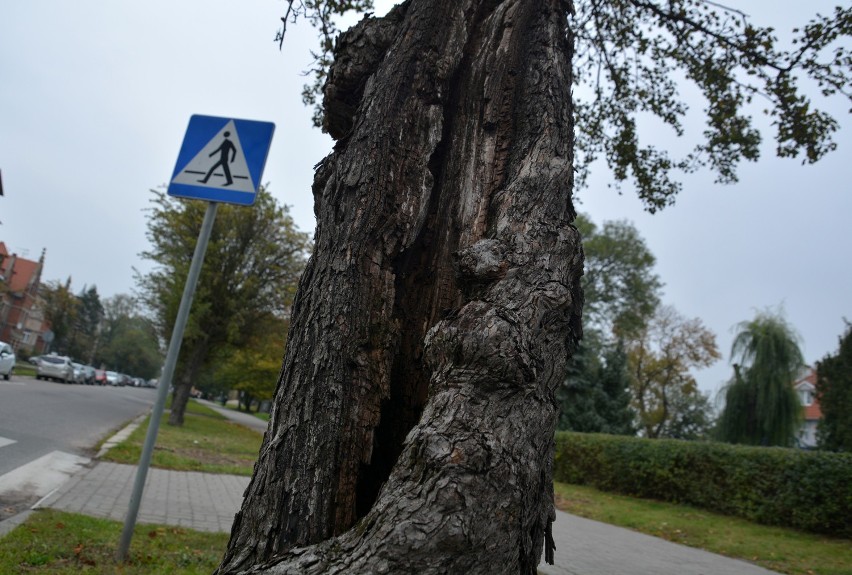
point(95, 97)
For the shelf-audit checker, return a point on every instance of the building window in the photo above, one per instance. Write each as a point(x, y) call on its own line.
point(806, 396)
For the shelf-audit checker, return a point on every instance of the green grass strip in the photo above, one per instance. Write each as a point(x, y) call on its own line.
point(53, 542)
point(206, 442)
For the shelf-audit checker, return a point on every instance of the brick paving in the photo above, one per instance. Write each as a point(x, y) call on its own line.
point(201, 501)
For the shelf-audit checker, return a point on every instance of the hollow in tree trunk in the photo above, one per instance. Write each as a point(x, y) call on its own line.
point(412, 427)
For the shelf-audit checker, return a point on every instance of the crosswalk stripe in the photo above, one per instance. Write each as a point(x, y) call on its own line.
point(41, 476)
point(4, 441)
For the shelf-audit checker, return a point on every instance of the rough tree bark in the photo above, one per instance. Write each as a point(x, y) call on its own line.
point(412, 430)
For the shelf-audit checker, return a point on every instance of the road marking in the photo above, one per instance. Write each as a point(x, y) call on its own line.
point(4, 441)
point(43, 475)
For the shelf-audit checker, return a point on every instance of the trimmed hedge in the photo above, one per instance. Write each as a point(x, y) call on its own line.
point(806, 490)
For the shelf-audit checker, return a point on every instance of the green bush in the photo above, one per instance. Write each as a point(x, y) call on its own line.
point(802, 489)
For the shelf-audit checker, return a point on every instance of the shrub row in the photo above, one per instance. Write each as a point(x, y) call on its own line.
point(802, 489)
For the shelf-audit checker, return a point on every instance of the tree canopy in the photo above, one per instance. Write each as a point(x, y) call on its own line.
point(630, 60)
point(621, 292)
point(127, 339)
point(60, 310)
point(660, 360)
point(620, 287)
point(761, 405)
point(834, 392)
point(253, 262)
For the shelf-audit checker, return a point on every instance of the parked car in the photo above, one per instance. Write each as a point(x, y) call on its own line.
point(34, 359)
point(89, 375)
point(101, 377)
point(7, 360)
point(58, 367)
point(79, 372)
point(112, 378)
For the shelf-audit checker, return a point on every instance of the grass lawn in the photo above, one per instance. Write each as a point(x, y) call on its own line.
point(207, 442)
point(775, 548)
point(53, 542)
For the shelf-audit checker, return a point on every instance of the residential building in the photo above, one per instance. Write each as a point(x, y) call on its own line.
point(806, 390)
point(22, 322)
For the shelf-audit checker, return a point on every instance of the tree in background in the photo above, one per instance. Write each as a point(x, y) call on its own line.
point(61, 307)
point(621, 292)
point(660, 359)
point(620, 289)
point(595, 396)
point(690, 414)
point(252, 369)
point(761, 406)
point(84, 333)
point(127, 341)
point(834, 392)
point(251, 268)
point(412, 430)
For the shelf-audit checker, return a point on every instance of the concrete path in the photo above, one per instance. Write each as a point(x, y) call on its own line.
point(586, 547)
point(244, 419)
point(208, 502)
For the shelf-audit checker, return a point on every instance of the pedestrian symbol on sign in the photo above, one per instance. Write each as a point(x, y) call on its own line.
point(224, 150)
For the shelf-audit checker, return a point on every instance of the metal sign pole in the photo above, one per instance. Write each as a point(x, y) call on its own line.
point(166, 380)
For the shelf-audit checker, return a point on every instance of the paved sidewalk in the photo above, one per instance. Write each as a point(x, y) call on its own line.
point(586, 547)
point(201, 501)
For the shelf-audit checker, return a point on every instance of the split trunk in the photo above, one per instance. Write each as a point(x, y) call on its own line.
point(412, 427)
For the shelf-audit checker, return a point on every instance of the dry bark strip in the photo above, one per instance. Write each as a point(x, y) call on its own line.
point(412, 430)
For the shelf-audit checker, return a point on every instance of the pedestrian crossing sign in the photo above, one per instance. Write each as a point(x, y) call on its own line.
point(221, 160)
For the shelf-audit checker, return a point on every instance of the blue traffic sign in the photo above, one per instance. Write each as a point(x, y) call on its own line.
point(221, 160)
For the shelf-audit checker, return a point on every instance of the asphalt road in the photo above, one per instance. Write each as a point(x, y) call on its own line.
point(41, 417)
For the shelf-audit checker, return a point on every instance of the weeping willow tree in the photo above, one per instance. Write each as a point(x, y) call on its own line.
point(761, 407)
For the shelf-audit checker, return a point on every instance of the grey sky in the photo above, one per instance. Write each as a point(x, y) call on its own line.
point(95, 96)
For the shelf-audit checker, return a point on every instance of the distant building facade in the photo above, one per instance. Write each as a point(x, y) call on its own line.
point(22, 323)
point(806, 390)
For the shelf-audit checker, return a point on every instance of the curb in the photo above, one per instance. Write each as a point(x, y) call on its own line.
point(121, 435)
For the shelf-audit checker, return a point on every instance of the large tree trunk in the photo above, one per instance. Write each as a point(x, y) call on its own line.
point(412, 429)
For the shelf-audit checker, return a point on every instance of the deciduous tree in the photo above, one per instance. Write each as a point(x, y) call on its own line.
point(61, 307)
point(621, 293)
point(412, 430)
point(253, 261)
point(252, 368)
point(660, 360)
point(127, 340)
point(761, 406)
point(90, 312)
point(619, 284)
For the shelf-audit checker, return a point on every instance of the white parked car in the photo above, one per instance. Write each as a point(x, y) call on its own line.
point(56, 367)
point(7, 360)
